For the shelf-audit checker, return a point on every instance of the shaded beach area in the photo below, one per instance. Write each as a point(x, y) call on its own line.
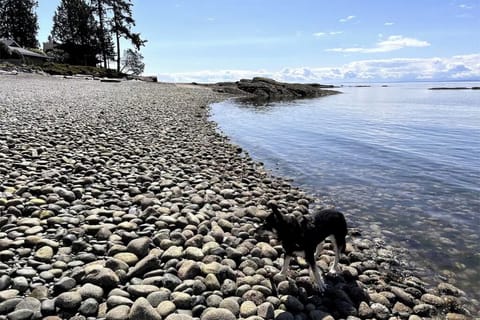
point(123, 201)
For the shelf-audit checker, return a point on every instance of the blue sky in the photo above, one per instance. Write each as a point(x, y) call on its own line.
point(305, 40)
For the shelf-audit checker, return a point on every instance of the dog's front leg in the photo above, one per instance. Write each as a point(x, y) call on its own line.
point(335, 267)
point(286, 263)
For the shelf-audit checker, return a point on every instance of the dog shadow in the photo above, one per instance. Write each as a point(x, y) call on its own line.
point(341, 298)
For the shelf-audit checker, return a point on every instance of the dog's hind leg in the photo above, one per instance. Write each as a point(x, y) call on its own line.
point(334, 268)
point(286, 263)
point(315, 271)
point(319, 249)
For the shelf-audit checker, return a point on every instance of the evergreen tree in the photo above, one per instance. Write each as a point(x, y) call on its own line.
point(107, 47)
point(18, 21)
point(74, 27)
point(132, 62)
point(114, 20)
point(121, 24)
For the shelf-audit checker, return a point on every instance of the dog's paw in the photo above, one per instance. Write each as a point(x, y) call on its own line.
point(332, 273)
point(320, 287)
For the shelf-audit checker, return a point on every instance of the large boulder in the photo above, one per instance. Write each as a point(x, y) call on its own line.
point(269, 89)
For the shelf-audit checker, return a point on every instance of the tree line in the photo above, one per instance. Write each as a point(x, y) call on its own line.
point(86, 32)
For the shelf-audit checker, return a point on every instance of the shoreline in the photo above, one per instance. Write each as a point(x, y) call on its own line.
point(131, 185)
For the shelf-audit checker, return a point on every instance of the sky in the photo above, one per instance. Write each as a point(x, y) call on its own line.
point(304, 40)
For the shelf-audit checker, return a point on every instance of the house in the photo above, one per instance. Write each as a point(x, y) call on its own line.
point(21, 55)
point(49, 45)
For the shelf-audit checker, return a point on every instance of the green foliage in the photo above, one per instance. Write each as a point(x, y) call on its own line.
point(107, 47)
point(119, 22)
point(132, 62)
point(74, 27)
point(123, 21)
point(18, 21)
point(68, 69)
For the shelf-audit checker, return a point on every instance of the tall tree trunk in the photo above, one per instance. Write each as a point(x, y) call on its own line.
point(102, 33)
point(118, 51)
point(117, 33)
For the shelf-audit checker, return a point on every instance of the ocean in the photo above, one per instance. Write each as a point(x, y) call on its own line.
point(400, 160)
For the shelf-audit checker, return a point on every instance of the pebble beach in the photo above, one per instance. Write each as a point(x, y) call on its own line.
point(124, 201)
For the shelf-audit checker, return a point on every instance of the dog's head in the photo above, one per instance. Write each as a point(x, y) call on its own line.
point(272, 222)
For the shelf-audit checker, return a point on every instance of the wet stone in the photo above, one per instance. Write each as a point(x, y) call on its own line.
point(433, 300)
point(380, 311)
point(68, 300)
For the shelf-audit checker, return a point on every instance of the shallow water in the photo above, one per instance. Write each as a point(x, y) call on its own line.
point(401, 159)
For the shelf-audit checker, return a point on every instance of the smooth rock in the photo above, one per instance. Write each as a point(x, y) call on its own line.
point(139, 246)
point(8, 294)
point(165, 308)
point(148, 263)
point(44, 254)
point(127, 257)
point(118, 313)
point(247, 309)
point(143, 310)
point(141, 290)
point(89, 307)
point(68, 300)
point(22, 314)
point(217, 314)
point(106, 276)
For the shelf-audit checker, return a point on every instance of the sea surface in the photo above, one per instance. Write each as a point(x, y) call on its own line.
point(401, 160)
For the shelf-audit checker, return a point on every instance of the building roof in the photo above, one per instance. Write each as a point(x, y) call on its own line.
point(14, 46)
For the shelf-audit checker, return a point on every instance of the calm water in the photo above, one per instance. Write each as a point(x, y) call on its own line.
point(401, 160)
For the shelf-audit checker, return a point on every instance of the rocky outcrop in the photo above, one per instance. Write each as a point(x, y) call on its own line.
point(268, 89)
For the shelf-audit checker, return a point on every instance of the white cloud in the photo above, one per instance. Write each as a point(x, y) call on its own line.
point(463, 67)
point(388, 24)
point(346, 19)
point(323, 34)
point(391, 44)
point(465, 6)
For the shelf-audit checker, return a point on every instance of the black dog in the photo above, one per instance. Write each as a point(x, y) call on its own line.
point(304, 236)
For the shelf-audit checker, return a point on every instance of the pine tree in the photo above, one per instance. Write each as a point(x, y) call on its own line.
point(132, 62)
point(74, 27)
point(18, 21)
point(100, 8)
point(121, 24)
point(114, 19)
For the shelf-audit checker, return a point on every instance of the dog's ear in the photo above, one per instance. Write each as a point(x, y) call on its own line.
point(273, 206)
